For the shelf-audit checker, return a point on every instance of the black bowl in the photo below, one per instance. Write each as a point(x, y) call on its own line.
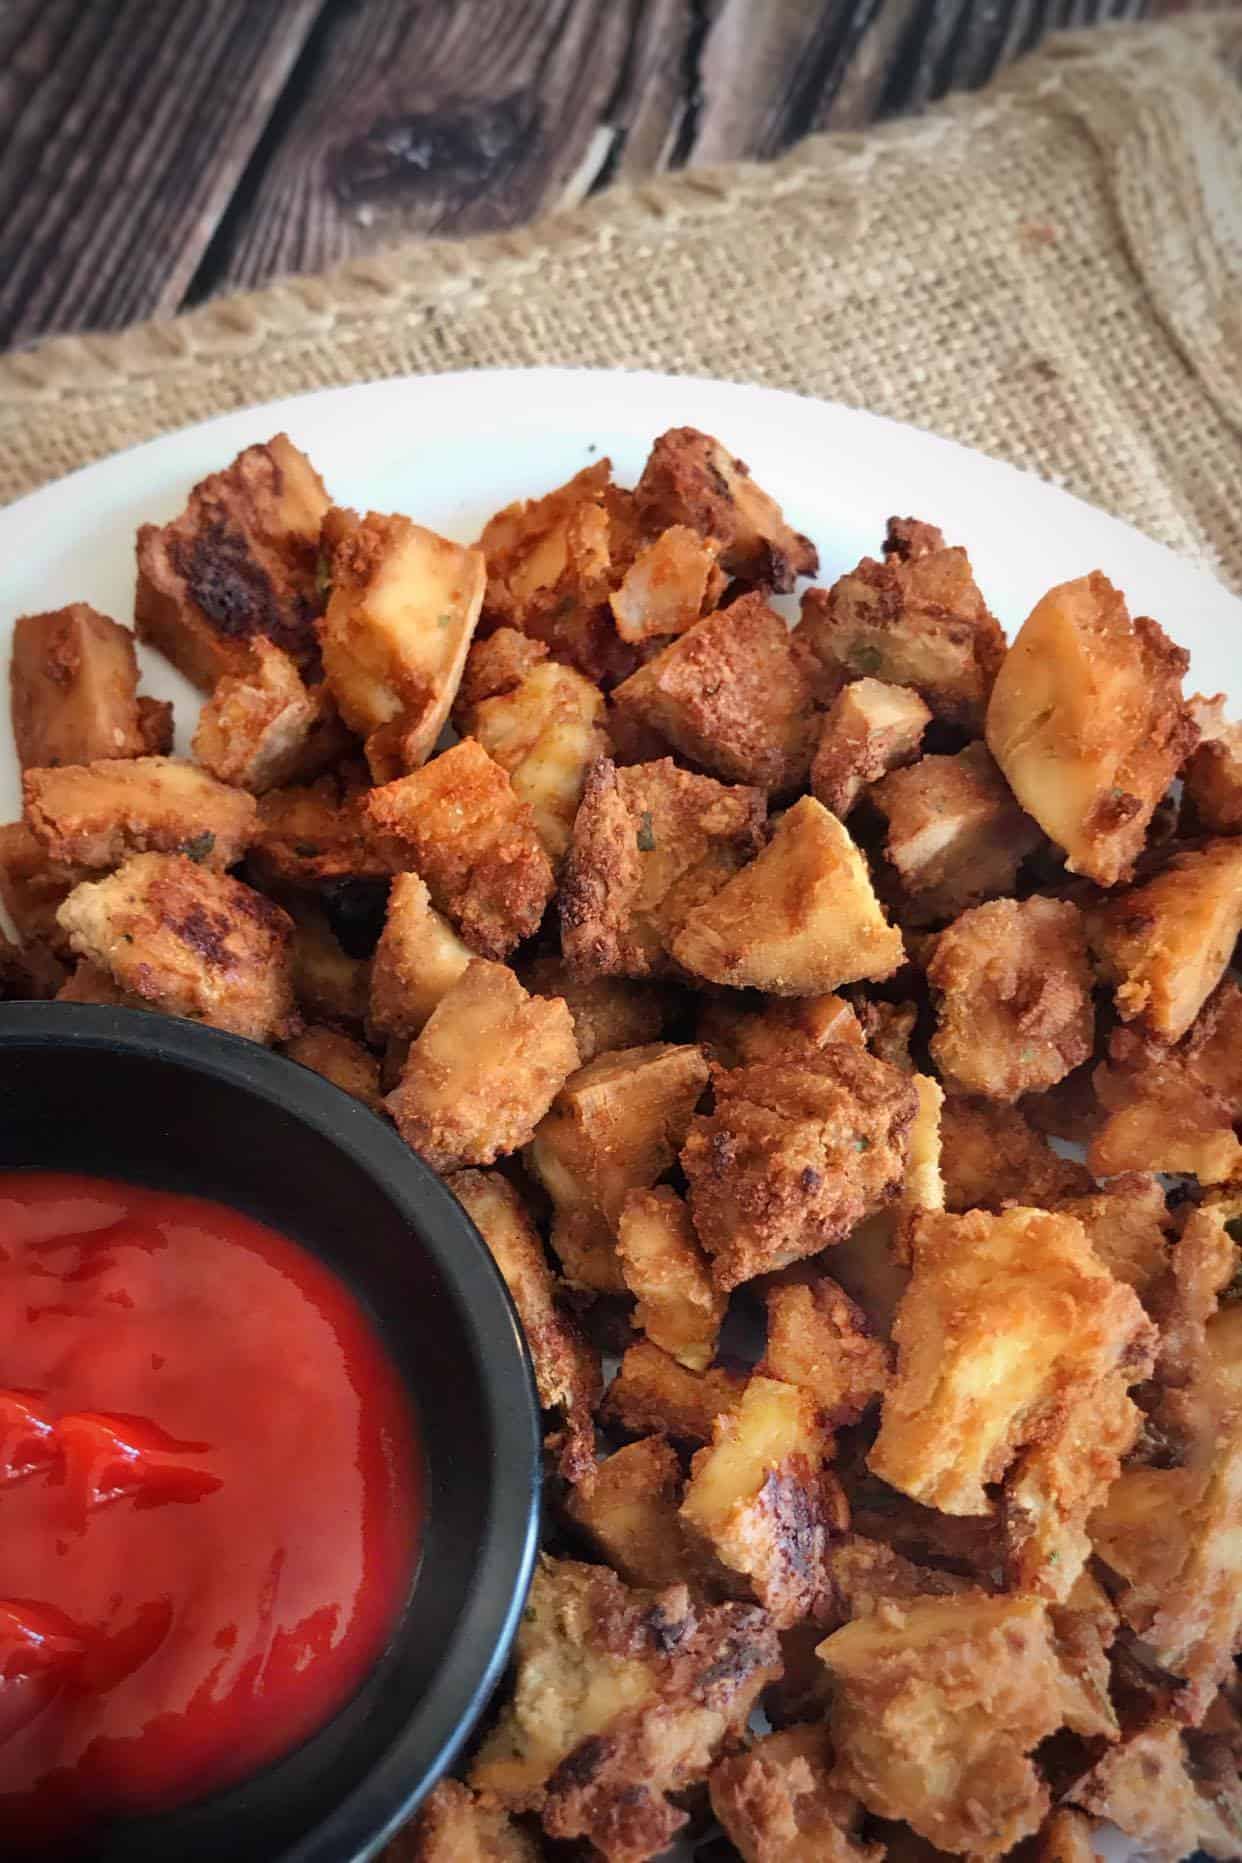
point(122, 1093)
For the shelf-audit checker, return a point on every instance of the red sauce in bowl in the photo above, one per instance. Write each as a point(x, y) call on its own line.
point(209, 1500)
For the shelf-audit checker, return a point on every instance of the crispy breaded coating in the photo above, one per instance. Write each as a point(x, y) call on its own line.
point(340, 1059)
point(310, 837)
point(616, 1126)
point(417, 961)
point(652, 1392)
point(801, 919)
point(1065, 1838)
point(762, 1501)
point(188, 941)
point(262, 728)
point(937, 1704)
point(87, 983)
point(736, 1030)
point(663, 1266)
point(402, 609)
point(778, 1804)
point(33, 887)
point(546, 732)
point(1010, 1322)
point(96, 815)
point(650, 843)
point(567, 1370)
point(914, 620)
point(872, 1263)
point(1128, 1225)
point(483, 1071)
point(1201, 1266)
point(1146, 1788)
point(628, 1506)
point(622, 1698)
point(888, 1029)
point(820, 1340)
point(1212, 775)
point(869, 729)
point(330, 986)
point(794, 1155)
point(1167, 1109)
point(74, 689)
point(1088, 723)
point(475, 843)
point(691, 479)
point(990, 1156)
point(1012, 985)
point(866, 1575)
point(456, 1825)
point(241, 560)
point(956, 836)
point(730, 695)
point(671, 582)
point(1164, 945)
point(495, 665)
point(608, 1012)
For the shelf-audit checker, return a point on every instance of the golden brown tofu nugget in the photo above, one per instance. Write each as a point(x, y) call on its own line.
point(1013, 1336)
point(802, 918)
point(263, 728)
point(778, 1803)
point(188, 941)
point(730, 695)
point(608, 1012)
point(1088, 723)
point(649, 844)
point(936, 1705)
point(340, 1059)
point(33, 887)
point(1164, 945)
point(663, 1266)
point(330, 986)
point(671, 582)
point(310, 837)
point(1129, 1227)
point(691, 479)
point(96, 815)
point(955, 834)
point(74, 679)
point(1212, 776)
point(1012, 985)
point(546, 732)
point(794, 1155)
point(914, 620)
point(484, 1070)
point(456, 1825)
point(417, 961)
point(241, 560)
point(990, 1155)
point(868, 730)
point(736, 1030)
point(1147, 1789)
point(651, 1391)
point(462, 827)
point(820, 1340)
point(402, 610)
point(623, 1698)
point(567, 1370)
point(628, 1507)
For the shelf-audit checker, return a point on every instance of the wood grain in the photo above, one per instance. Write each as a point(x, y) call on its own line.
point(124, 128)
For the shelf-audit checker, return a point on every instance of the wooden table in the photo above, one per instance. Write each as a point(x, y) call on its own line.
point(153, 152)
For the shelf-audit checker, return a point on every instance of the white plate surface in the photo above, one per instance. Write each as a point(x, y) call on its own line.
point(450, 449)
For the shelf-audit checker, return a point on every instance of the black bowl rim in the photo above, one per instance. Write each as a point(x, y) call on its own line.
point(387, 1793)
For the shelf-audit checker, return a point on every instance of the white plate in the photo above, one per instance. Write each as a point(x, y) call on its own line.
point(450, 449)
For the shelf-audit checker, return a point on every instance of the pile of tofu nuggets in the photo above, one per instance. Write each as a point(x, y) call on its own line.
point(738, 976)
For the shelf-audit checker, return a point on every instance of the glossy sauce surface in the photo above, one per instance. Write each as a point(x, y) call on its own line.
point(209, 1499)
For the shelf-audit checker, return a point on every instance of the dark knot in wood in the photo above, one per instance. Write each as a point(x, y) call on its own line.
point(468, 139)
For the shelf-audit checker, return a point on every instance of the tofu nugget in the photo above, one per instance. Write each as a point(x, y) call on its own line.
point(1012, 985)
point(188, 941)
point(567, 1370)
point(1146, 1787)
point(401, 614)
point(484, 1070)
point(671, 582)
point(623, 1698)
point(417, 961)
point(736, 1030)
point(74, 680)
point(650, 843)
point(263, 728)
point(1088, 723)
point(546, 732)
point(795, 1155)
point(340, 1059)
point(608, 1012)
point(330, 986)
point(1212, 776)
point(456, 1825)
point(802, 918)
point(914, 620)
point(628, 1508)
point(241, 560)
point(1164, 945)
point(474, 842)
point(778, 1802)
point(96, 815)
point(868, 730)
point(991, 1155)
point(651, 1391)
point(730, 695)
point(937, 1704)
point(665, 1269)
point(315, 835)
point(691, 479)
point(33, 887)
point(820, 1340)
point(956, 836)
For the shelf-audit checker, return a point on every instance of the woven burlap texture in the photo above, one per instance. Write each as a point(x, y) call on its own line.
point(1050, 271)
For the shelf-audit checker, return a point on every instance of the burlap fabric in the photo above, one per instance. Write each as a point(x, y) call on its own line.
point(1050, 271)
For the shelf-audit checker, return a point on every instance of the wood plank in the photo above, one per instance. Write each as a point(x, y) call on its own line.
point(471, 117)
point(123, 130)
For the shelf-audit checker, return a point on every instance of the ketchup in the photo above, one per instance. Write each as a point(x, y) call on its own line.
point(209, 1500)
